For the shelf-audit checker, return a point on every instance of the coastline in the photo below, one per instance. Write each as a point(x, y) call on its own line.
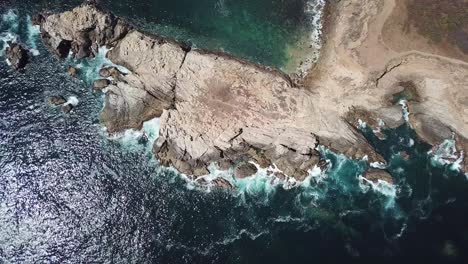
point(290, 133)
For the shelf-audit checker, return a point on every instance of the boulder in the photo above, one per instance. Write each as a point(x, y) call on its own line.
point(56, 100)
point(17, 55)
point(244, 170)
point(109, 71)
point(100, 84)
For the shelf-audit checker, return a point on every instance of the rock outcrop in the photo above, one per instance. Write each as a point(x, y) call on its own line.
point(17, 55)
point(81, 31)
point(215, 107)
point(101, 84)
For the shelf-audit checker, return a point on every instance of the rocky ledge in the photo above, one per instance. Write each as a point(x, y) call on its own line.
point(217, 108)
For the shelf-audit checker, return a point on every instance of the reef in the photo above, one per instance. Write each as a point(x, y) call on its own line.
point(216, 108)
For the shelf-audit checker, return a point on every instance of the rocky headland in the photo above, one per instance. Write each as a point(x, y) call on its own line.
point(218, 108)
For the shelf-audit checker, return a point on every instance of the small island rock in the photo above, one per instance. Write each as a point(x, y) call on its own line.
point(17, 55)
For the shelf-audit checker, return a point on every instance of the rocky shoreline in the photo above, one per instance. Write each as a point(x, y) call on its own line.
point(217, 108)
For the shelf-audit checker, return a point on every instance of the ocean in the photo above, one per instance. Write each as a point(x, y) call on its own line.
point(70, 193)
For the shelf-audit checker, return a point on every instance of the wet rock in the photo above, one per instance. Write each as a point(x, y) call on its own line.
point(280, 175)
point(101, 84)
point(375, 175)
point(323, 164)
point(200, 171)
point(17, 55)
point(259, 157)
point(244, 170)
point(72, 71)
point(224, 164)
point(56, 100)
point(37, 19)
point(67, 108)
point(109, 71)
point(222, 183)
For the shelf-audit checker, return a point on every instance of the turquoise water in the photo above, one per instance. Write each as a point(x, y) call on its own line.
point(260, 30)
point(71, 194)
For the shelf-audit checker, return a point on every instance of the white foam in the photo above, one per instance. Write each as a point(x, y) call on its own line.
point(383, 187)
point(72, 100)
point(411, 142)
point(11, 18)
point(90, 66)
point(361, 124)
point(314, 12)
point(446, 154)
point(130, 138)
point(6, 37)
point(404, 107)
point(33, 33)
point(457, 165)
point(378, 165)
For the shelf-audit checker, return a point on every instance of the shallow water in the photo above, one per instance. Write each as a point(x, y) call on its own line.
point(71, 194)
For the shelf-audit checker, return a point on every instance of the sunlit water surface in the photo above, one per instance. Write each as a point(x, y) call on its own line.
point(71, 194)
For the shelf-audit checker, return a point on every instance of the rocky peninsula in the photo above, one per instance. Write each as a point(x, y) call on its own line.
point(218, 108)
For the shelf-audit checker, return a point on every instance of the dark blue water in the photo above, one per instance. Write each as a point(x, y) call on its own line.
point(69, 194)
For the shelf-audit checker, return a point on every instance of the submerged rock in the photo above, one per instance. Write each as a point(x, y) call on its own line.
point(244, 170)
point(17, 55)
point(67, 108)
point(56, 100)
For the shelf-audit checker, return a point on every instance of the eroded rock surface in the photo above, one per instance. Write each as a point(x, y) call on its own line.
point(214, 107)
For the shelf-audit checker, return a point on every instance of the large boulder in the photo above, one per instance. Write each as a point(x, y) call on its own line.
point(17, 55)
point(244, 170)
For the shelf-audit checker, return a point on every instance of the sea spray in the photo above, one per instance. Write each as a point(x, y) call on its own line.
point(33, 34)
point(89, 67)
point(9, 30)
point(446, 154)
point(139, 140)
point(405, 109)
point(72, 100)
point(11, 20)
